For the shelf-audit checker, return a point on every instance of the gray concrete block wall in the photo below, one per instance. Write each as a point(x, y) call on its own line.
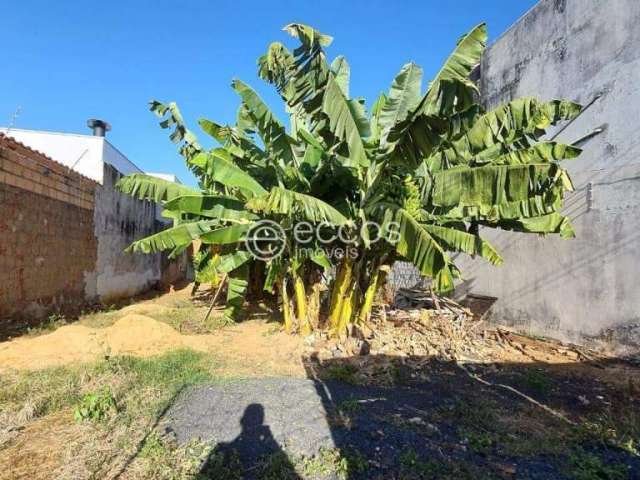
point(119, 220)
point(584, 290)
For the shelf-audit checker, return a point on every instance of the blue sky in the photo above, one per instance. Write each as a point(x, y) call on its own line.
point(64, 62)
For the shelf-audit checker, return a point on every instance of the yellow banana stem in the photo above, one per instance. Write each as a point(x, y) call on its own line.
point(301, 304)
point(369, 297)
point(286, 307)
point(340, 290)
point(348, 306)
point(313, 304)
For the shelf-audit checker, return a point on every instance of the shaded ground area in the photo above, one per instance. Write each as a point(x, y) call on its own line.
point(448, 426)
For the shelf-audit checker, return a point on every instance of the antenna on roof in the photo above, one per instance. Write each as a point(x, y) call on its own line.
point(15, 115)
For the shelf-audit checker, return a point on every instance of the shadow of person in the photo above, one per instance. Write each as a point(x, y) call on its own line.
point(253, 454)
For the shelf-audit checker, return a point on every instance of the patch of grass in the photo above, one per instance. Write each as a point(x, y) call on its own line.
point(140, 387)
point(221, 467)
point(345, 373)
point(277, 466)
point(52, 389)
point(537, 381)
point(176, 368)
point(480, 441)
point(356, 461)
point(53, 322)
point(100, 318)
point(413, 467)
point(187, 316)
point(350, 406)
point(153, 447)
point(37, 393)
point(332, 461)
point(619, 427)
point(164, 461)
point(588, 466)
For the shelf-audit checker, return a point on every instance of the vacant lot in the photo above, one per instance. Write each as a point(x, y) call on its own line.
point(127, 395)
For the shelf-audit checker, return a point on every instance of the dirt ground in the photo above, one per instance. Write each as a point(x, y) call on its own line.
point(251, 348)
point(478, 427)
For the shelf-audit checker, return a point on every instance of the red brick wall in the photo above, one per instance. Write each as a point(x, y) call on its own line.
point(47, 242)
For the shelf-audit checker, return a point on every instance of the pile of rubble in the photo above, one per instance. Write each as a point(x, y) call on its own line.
point(421, 326)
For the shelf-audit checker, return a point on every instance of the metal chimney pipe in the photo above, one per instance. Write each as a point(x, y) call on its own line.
point(99, 127)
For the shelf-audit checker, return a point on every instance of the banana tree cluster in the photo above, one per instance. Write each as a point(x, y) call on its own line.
point(414, 178)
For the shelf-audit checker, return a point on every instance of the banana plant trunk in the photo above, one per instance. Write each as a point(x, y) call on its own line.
point(301, 304)
point(286, 305)
point(369, 297)
point(340, 294)
point(313, 299)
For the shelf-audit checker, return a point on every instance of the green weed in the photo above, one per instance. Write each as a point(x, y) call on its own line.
point(588, 466)
point(345, 373)
point(95, 406)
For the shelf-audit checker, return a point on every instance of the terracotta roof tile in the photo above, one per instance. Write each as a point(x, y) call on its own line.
point(8, 140)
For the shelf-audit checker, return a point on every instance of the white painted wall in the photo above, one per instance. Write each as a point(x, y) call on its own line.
point(115, 158)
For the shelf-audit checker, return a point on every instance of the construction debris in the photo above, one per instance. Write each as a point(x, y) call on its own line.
point(417, 331)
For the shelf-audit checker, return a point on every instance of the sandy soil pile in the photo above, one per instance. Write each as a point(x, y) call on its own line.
point(254, 345)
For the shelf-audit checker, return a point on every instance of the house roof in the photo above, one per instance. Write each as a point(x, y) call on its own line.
point(12, 143)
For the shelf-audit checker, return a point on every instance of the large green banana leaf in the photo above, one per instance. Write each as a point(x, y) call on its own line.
point(308, 36)
point(297, 205)
point(237, 283)
point(376, 126)
point(231, 261)
point(420, 248)
point(181, 135)
point(460, 241)
point(449, 93)
point(403, 97)
point(508, 123)
point(342, 72)
point(220, 207)
point(226, 235)
point(343, 123)
point(146, 187)
point(541, 152)
point(172, 238)
point(229, 175)
point(273, 67)
point(452, 84)
point(548, 202)
point(551, 223)
point(221, 133)
point(492, 185)
point(272, 132)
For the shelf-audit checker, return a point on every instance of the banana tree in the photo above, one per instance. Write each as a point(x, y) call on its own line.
point(427, 168)
point(434, 162)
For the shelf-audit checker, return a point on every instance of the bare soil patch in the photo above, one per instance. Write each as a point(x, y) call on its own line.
point(250, 348)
